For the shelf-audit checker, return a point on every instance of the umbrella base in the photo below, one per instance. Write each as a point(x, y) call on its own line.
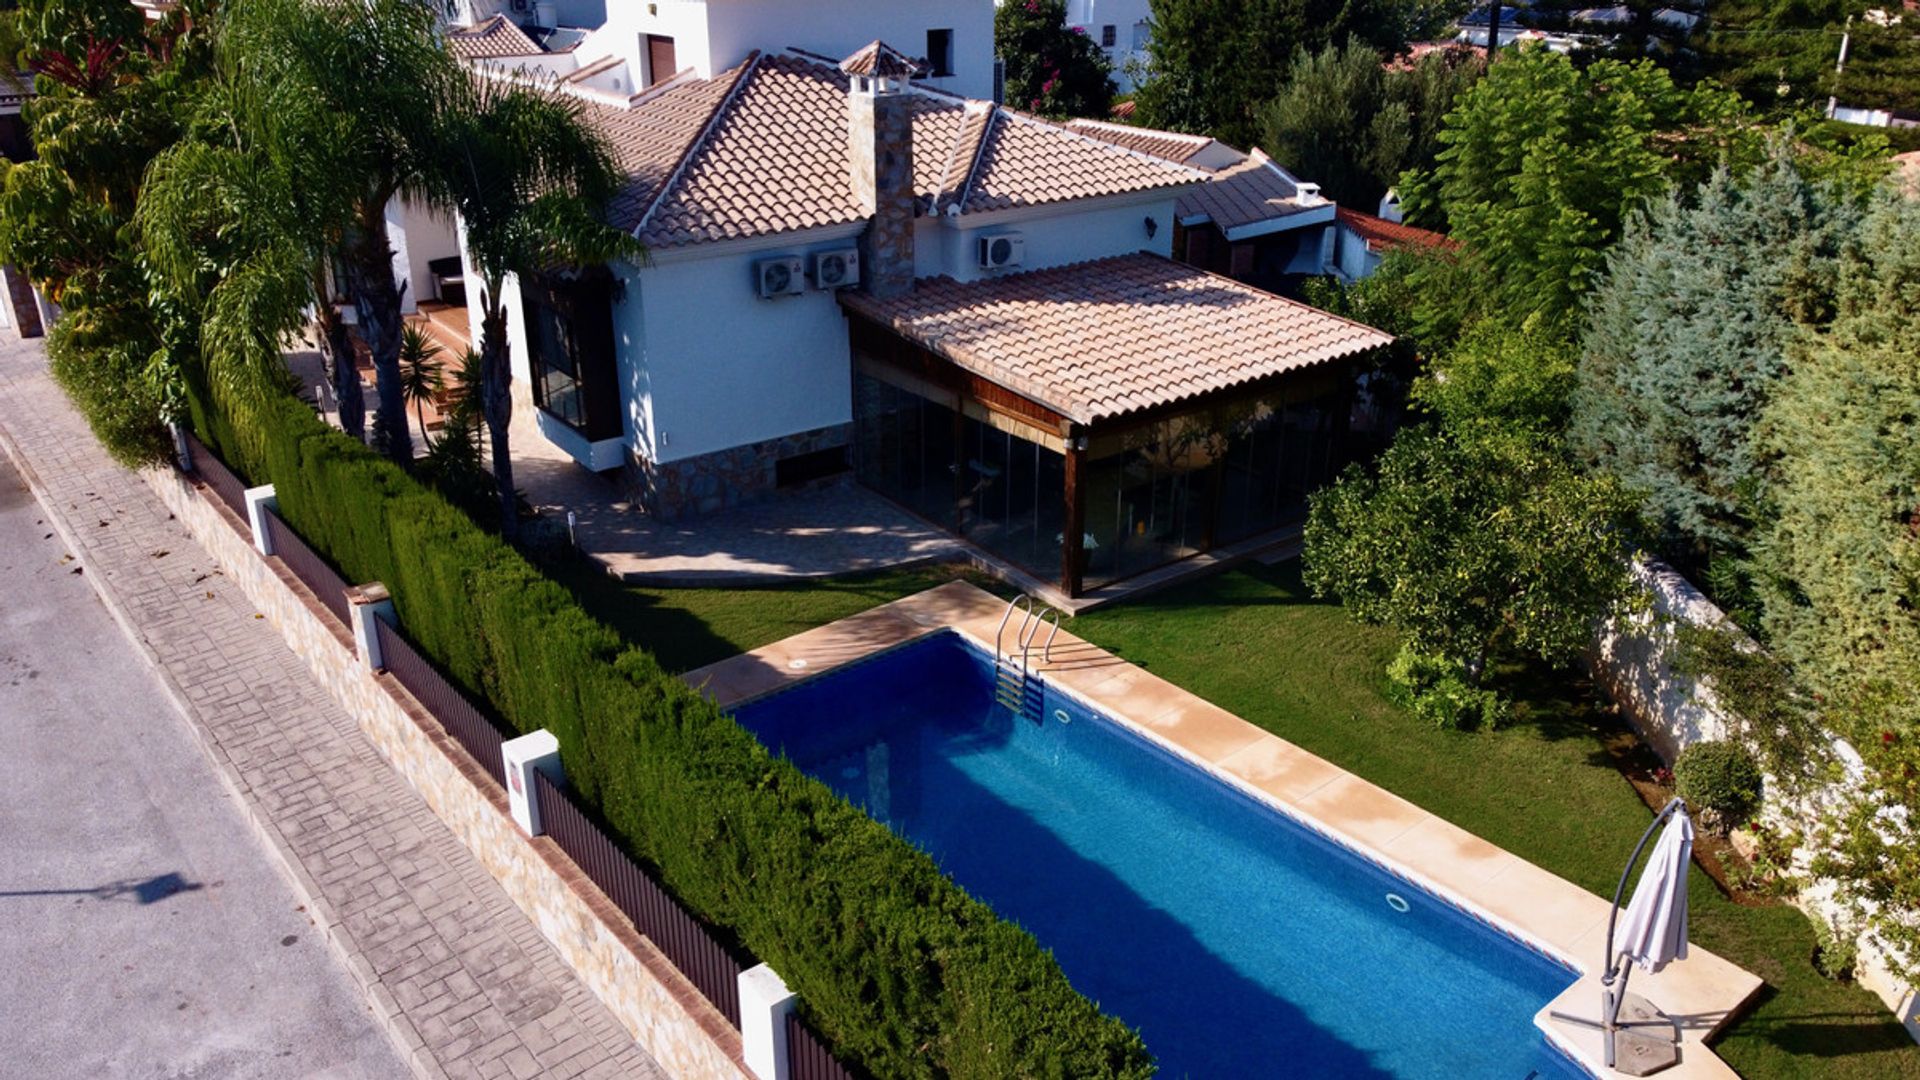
point(1638, 1051)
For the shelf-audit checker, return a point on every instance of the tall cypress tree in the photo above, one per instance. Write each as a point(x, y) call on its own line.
point(1688, 333)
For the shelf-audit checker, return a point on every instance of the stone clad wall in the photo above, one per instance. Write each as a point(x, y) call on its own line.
point(649, 996)
point(725, 478)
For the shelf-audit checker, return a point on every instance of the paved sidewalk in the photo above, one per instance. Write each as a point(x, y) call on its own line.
point(148, 931)
point(461, 979)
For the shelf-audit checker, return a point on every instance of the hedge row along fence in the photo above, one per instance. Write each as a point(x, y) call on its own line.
point(901, 971)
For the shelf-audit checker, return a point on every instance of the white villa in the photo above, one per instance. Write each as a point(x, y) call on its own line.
point(856, 264)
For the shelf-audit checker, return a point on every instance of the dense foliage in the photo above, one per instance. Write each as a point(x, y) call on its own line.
point(1213, 64)
point(1781, 56)
point(1471, 541)
point(1352, 125)
point(903, 972)
point(111, 89)
point(1720, 778)
point(1543, 161)
point(1686, 336)
point(1051, 68)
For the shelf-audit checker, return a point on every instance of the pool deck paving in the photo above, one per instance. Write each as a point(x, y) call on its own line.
point(1553, 915)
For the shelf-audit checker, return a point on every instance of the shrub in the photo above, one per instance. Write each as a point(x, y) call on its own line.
point(111, 389)
point(1835, 953)
point(902, 972)
point(1436, 690)
point(1720, 778)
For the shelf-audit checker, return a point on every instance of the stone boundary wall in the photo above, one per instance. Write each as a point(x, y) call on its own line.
point(1632, 660)
point(642, 988)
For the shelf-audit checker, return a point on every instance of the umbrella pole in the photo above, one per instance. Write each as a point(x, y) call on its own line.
point(1610, 1001)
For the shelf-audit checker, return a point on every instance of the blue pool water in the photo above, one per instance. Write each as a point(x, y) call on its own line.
point(1239, 943)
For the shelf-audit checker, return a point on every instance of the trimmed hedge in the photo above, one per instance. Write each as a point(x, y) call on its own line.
point(899, 969)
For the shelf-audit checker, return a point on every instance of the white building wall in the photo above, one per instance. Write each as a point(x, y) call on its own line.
point(714, 35)
point(721, 367)
point(1132, 27)
point(1055, 236)
point(418, 236)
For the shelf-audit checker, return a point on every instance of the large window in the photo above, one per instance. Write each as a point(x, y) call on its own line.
point(570, 346)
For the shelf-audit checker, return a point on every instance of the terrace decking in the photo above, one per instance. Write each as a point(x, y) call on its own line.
point(1554, 915)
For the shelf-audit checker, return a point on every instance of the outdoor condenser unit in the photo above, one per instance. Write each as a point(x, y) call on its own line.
point(781, 276)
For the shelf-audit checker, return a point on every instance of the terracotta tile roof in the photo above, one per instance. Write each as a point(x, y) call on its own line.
point(1383, 235)
point(883, 61)
point(652, 135)
point(1172, 145)
point(1102, 339)
point(1253, 191)
point(498, 36)
point(762, 149)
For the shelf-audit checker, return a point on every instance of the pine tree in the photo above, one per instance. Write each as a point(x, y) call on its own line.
point(1688, 333)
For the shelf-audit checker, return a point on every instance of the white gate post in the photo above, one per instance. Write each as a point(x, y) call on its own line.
point(365, 603)
point(260, 500)
point(765, 1003)
point(536, 751)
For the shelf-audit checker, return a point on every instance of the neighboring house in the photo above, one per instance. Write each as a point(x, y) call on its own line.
point(1252, 221)
point(1363, 240)
point(973, 310)
point(1122, 29)
point(1848, 114)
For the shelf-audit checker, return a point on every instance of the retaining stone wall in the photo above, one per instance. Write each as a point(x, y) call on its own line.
point(643, 989)
point(724, 478)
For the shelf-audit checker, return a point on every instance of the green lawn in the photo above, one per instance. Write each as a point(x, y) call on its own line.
point(1252, 642)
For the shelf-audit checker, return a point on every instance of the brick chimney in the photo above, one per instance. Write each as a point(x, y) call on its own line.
point(880, 164)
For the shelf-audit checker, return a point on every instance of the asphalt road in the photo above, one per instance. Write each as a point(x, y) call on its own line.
point(143, 930)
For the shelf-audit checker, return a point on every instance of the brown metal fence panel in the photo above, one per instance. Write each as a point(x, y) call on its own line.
point(465, 723)
point(214, 472)
point(807, 1057)
point(309, 567)
point(705, 962)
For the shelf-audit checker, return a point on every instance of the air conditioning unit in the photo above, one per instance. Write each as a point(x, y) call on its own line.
point(782, 276)
point(998, 251)
point(836, 269)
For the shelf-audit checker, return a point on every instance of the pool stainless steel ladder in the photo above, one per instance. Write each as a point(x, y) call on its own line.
point(1012, 687)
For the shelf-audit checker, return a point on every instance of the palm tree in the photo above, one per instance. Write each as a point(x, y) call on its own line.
point(420, 373)
point(529, 181)
point(244, 214)
point(377, 74)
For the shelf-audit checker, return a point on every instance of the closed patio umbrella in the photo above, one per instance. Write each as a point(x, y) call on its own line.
point(1652, 933)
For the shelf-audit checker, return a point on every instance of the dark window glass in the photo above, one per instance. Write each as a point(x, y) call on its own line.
point(940, 52)
point(1109, 35)
point(556, 369)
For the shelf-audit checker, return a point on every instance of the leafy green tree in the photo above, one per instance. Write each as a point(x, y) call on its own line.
point(1542, 162)
point(529, 180)
point(1051, 69)
point(1343, 120)
point(112, 91)
point(1839, 558)
point(1213, 64)
point(1499, 374)
point(1688, 332)
point(1472, 543)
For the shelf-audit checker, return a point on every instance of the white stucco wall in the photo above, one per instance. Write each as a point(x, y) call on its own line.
point(1351, 256)
point(1055, 236)
point(714, 35)
point(718, 366)
point(418, 235)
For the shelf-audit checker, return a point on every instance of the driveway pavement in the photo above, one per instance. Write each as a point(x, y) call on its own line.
point(143, 931)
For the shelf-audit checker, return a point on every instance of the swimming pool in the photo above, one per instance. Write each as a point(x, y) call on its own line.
point(1238, 941)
